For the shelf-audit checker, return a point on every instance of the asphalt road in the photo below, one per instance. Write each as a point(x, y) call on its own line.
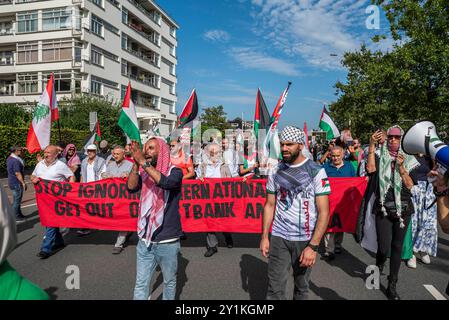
point(239, 273)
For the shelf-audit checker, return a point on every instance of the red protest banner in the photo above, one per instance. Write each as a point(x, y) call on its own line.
point(231, 205)
point(344, 203)
point(227, 205)
point(222, 205)
point(102, 205)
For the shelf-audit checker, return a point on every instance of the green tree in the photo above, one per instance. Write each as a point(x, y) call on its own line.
point(408, 83)
point(74, 114)
point(214, 118)
point(14, 115)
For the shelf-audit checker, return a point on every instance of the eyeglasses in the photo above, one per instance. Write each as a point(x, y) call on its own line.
point(172, 146)
point(394, 137)
point(90, 150)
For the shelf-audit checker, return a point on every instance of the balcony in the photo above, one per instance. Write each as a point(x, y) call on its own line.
point(141, 55)
point(4, 2)
point(150, 36)
point(7, 59)
point(6, 32)
point(142, 78)
point(150, 14)
point(7, 89)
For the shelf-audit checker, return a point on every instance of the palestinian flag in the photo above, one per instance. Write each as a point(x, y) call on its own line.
point(190, 111)
point(261, 116)
point(326, 124)
point(46, 111)
point(128, 118)
point(95, 136)
point(272, 148)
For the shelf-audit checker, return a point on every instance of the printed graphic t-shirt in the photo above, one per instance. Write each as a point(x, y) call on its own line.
point(296, 187)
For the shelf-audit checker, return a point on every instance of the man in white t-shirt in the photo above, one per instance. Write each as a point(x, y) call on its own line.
point(298, 206)
point(91, 169)
point(51, 169)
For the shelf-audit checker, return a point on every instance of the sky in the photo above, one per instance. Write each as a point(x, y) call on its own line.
point(227, 49)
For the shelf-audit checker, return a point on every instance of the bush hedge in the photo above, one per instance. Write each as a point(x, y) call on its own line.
point(11, 136)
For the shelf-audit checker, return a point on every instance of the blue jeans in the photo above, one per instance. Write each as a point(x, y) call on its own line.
point(52, 238)
point(166, 256)
point(17, 193)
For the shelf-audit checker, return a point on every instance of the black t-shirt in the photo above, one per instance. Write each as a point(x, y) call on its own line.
point(406, 195)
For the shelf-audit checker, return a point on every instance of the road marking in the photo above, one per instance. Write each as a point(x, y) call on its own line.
point(30, 205)
point(434, 292)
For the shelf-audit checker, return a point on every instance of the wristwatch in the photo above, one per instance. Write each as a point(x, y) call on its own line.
point(313, 247)
point(146, 165)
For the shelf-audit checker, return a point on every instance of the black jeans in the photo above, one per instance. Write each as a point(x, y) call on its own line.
point(390, 239)
point(284, 254)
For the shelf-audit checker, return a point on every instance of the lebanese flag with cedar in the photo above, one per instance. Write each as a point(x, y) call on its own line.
point(46, 111)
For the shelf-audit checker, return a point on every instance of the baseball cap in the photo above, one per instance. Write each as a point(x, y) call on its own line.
point(91, 147)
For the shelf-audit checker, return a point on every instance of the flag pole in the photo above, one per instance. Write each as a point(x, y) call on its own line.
point(59, 132)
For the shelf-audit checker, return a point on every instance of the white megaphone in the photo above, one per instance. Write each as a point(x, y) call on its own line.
point(423, 138)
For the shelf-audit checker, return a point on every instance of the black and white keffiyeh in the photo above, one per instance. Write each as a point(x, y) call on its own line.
point(292, 134)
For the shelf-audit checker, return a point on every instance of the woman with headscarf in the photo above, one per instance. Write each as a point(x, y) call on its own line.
point(12, 285)
point(73, 161)
point(392, 172)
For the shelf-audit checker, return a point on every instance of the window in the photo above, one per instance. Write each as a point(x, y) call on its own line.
point(56, 19)
point(96, 25)
point(6, 58)
point(95, 86)
point(110, 27)
point(123, 92)
point(99, 3)
point(169, 103)
point(171, 47)
point(125, 16)
point(27, 22)
point(173, 31)
point(5, 28)
point(27, 82)
point(57, 50)
point(110, 56)
point(157, 17)
point(170, 65)
point(124, 41)
point(27, 52)
point(78, 47)
point(63, 80)
point(124, 67)
point(96, 56)
point(155, 102)
point(171, 85)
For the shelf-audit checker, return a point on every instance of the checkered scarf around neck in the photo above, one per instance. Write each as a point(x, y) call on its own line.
point(385, 171)
point(152, 198)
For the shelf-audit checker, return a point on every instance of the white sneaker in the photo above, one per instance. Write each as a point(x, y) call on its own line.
point(425, 258)
point(411, 263)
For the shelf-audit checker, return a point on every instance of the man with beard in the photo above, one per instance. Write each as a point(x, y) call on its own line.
point(298, 202)
point(159, 222)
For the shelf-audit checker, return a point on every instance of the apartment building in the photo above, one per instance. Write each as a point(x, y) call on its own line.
point(93, 47)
